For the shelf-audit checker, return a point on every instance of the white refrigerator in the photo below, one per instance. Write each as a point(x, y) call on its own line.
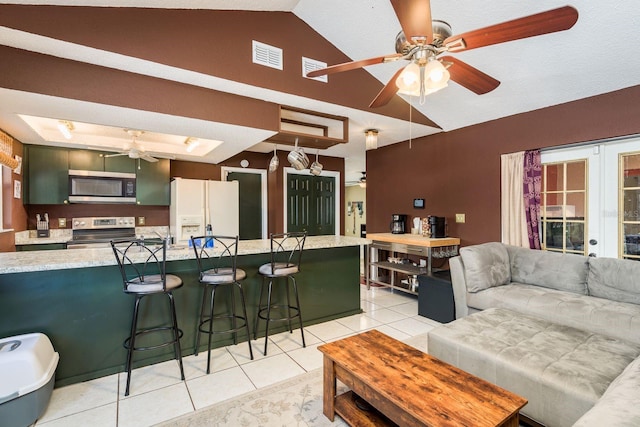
point(196, 203)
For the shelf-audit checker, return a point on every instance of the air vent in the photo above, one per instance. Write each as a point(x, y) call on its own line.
point(266, 55)
point(309, 65)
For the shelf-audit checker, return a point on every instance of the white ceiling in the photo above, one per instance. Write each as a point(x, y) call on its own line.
point(599, 54)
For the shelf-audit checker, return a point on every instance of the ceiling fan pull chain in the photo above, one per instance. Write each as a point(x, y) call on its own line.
point(410, 122)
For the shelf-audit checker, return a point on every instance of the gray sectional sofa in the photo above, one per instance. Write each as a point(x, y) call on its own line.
point(561, 330)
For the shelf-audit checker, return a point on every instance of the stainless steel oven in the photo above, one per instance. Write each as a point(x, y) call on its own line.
point(97, 232)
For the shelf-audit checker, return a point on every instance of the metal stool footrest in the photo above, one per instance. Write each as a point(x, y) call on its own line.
point(239, 327)
point(141, 332)
point(277, 307)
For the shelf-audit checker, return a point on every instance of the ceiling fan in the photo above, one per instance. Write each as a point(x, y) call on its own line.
point(362, 182)
point(422, 41)
point(135, 150)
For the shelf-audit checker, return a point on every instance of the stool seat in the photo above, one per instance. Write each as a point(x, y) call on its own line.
point(222, 276)
point(279, 269)
point(286, 253)
point(153, 284)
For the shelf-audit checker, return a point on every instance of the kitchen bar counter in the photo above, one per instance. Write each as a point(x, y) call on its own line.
point(75, 297)
point(21, 262)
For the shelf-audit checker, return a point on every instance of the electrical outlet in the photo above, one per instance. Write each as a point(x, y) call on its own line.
point(62, 222)
point(460, 218)
point(141, 220)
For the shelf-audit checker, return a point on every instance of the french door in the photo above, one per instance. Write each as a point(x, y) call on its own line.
point(591, 199)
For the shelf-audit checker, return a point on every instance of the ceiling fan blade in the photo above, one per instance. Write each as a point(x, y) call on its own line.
point(346, 66)
point(148, 158)
point(415, 18)
point(116, 155)
point(387, 92)
point(547, 22)
point(470, 77)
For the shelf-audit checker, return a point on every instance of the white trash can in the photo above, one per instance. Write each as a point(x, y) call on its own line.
point(27, 367)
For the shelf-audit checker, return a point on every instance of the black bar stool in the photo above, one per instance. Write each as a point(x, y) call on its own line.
point(286, 253)
point(216, 256)
point(143, 270)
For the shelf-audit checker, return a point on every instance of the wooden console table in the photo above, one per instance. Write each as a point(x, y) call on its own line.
point(409, 387)
point(410, 244)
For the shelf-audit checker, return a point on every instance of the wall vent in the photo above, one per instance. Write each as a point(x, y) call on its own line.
point(266, 55)
point(309, 65)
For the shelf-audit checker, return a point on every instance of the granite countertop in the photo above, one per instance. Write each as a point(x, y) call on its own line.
point(21, 262)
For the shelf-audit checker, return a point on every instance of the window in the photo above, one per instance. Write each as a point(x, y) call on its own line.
point(629, 213)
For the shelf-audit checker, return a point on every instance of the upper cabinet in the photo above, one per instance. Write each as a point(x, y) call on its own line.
point(153, 186)
point(47, 173)
point(100, 161)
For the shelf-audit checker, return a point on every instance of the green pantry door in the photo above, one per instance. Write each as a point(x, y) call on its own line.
point(311, 204)
point(250, 222)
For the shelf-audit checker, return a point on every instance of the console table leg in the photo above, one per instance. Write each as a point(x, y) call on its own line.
point(328, 388)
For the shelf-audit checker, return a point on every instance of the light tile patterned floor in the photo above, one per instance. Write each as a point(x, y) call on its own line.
point(157, 394)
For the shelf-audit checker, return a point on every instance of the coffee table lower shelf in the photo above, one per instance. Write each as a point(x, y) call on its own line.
point(347, 409)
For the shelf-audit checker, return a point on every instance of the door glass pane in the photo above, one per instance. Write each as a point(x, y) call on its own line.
point(575, 237)
point(575, 176)
point(554, 177)
point(631, 205)
point(631, 168)
point(554, 235)
point(631, 239)
point(575, 205)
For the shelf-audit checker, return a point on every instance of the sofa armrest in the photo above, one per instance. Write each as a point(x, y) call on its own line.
point(459, 286)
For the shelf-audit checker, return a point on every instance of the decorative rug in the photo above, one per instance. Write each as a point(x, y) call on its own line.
point(293, 402)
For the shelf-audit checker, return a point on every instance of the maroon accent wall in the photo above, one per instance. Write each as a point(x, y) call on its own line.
point(459, 171)
point(213, 42)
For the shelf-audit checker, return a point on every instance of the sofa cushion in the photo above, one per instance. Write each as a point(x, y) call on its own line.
point(565, 272)
point(612, 318)
point(618, 406)
point(561, 371)
point(485, 266)
point(615, 279)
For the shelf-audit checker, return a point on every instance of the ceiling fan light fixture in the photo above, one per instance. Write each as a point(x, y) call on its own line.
point(65, 127)
point(408, 82)
point(371, 139)
point(436, 76)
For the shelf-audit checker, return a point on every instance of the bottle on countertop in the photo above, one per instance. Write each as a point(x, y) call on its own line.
point(209, 232)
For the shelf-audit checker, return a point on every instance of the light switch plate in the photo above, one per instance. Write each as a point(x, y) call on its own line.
point(141, 220)
point(62, 222)
point(460, 218)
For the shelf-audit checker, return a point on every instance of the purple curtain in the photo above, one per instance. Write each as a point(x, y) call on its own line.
point(532, 182)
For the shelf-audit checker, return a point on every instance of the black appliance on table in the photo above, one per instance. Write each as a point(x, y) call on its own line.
point(438, 226)
point(398, 223)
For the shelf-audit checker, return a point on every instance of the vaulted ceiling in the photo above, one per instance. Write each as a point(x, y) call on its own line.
point(184, 68)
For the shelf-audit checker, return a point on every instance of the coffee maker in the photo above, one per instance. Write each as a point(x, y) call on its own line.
point(398, 223)
point(438, 226)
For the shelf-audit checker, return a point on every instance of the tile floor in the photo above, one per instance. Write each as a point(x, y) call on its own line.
point(157, 394)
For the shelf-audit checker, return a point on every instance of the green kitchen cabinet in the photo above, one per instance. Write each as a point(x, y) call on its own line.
point(153, 183)
point(91, 160)
point(86, 160)
point(47, 175)
point(119, 164)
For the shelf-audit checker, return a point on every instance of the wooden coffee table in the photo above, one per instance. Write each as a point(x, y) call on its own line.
point(409, 387)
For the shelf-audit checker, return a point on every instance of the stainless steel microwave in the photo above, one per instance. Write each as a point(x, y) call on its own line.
point(101, 187)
